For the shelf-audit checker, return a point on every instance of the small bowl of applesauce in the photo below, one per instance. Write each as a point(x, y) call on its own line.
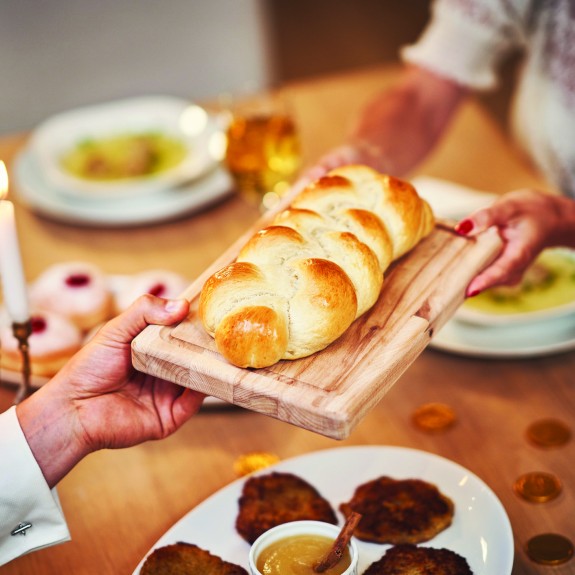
point(295, 548)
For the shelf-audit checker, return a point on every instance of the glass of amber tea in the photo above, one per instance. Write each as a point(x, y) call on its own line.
point(263, 147)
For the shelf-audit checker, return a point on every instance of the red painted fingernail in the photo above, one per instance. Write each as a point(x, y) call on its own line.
point(464, 227)
point(473, 293)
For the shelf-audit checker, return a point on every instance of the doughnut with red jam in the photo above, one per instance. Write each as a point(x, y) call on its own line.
point(161, 283)
point(77, 290)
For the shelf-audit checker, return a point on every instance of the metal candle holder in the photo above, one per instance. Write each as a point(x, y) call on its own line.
point(22, 332)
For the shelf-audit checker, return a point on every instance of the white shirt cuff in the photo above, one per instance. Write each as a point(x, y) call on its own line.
point(25, 496)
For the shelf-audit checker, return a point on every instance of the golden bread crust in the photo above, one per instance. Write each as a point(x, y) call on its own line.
point(320, 265)
point(322, 309)
point(254, 336)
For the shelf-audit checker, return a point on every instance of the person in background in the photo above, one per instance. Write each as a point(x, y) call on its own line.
point(97, 401)
point(458, 53)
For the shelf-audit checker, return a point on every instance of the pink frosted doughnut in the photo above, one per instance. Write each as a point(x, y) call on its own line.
point(77, 290)
point(53, 341)
point(161, 283)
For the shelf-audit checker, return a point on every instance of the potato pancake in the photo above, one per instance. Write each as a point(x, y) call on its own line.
point(276, 498)
point(399, 510)
point(412, 560)
point(187, 559)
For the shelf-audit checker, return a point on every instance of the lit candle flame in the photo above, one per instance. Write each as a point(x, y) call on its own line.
point(3, 180)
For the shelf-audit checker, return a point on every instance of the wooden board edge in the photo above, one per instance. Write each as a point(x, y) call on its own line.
point(207, 377)
point(205, 371)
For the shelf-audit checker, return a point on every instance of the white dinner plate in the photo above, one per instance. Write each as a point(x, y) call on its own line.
point(507, 341)
point(562, 262)
point(450, 200)
point(478, 317)
point(480, 532)
point(160, 206)
point(175, 118)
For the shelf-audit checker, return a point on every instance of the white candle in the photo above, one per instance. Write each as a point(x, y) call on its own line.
point(11, 270)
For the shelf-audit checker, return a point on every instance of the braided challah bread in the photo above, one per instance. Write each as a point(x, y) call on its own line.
point(298, 284)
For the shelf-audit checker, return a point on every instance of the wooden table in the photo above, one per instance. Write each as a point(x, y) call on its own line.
point(118, 503)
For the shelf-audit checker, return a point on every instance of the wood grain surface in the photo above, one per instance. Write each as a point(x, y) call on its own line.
point(330, 391)
point(118, 503)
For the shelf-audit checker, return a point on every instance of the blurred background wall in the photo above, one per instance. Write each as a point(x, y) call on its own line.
point(59, 54)
point(311, 37)
point(318, 36)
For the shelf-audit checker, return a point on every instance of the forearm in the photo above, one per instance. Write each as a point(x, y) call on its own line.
point(48, 422)
point(563, 233)
point(97, 400)
point(401, 126)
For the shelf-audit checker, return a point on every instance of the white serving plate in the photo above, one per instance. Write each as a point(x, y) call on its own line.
point(173, 117)
point(469, 314)
point(163, 205)
point(478, 317)
point(450, 200)
point(480, 532)
point(537, 339)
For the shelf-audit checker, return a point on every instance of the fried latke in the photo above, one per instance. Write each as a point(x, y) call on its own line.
point(187, 559)
point(276, 498)
point(399, 510)
point(409, 559)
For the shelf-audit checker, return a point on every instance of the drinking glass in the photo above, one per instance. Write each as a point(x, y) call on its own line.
point(263, 147)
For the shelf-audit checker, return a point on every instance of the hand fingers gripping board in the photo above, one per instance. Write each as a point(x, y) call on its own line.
point(330, 391)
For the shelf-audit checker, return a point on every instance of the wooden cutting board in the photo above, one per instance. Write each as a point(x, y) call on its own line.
point(332, 390)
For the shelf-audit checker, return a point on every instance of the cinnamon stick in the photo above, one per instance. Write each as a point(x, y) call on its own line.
point(334, 555)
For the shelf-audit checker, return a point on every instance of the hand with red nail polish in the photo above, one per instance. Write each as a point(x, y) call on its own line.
point(464, 227)
point(528, 221)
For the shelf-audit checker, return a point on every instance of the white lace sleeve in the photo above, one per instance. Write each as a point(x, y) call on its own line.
point(465, 40)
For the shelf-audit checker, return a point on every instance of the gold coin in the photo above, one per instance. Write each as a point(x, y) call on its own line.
point(548, 433)
point(433, 417)
point(537, 487)
point(250, 462)
point(549, 549)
